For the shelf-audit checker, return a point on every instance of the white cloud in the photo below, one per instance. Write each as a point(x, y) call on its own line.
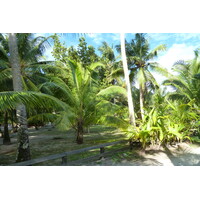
point(187, 36)
point(173, 54)
point(175, 37)
point(159, 36)
point(115, 36)
point(93, 35)
point(97, 37)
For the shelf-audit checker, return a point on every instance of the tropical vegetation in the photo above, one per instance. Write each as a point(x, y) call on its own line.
point(84, 86)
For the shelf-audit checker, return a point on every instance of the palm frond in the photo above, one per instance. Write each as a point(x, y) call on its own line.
point(113, 91)
point(42, 117)
point(154, 52)
point(10, 99)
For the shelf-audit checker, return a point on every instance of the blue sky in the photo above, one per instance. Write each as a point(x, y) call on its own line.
point(180, 46)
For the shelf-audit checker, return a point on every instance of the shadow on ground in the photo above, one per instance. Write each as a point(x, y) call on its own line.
point(181, 155)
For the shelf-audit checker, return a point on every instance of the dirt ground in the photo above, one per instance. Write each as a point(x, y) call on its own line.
point(12, 147)
point(178, 155)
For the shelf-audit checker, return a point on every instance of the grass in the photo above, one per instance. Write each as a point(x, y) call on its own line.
point(48, 142)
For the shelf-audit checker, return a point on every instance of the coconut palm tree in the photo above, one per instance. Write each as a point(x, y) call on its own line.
point(140, 62)
point(127, 80)
point(79, 96)
point(186, 83)
point(86, 104)
point(5, 85)
point(30, 51)
point(21, 53)
point(23, 152)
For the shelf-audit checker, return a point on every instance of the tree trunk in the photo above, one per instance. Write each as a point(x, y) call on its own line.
point(23, 152)
point(127, 80)
point(141, 87)
point(80, 132)
point(15, 128)
point(1, 132)
point(12, 119)
point(6, 138)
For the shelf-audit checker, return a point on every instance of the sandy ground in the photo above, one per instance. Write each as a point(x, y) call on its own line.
point(33, 138)
point(180, 155)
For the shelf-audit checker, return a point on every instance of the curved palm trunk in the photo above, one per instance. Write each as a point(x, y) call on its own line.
point(23, 152)
point(6, 136)
point(127, 80)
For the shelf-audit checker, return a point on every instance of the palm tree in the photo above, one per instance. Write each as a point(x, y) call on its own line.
point(112, 73)
point(30, 50)
point(6, 136)
point(79, 96)
point(22, 53)
point(5, 85)
point(140, 63)
point(86, 104)
point(187, 83)
point(23, 152)
point(9, 100)
point(127, 80)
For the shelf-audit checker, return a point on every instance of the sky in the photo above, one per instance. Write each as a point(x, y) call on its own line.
point(180, 46)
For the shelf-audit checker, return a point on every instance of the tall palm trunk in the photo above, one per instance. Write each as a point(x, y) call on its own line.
point(127, 80)
point(23, 152)
point(142, 89)
point(6, 136)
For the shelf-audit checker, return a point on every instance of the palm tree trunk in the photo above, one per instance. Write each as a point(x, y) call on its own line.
point(1, 132)
point(23, 152)
point(127, 80)
point(80, 132)
point(12, 119)
point(6, 138)
point(142, 100)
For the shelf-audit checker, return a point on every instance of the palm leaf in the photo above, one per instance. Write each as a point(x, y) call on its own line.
point(113, 91)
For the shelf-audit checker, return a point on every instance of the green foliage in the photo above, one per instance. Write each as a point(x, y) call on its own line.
point(86, 104)
point(113, 91)
point(186, 84)
point(140, 63)
point(30, 53)
point(81, 89)
point(159, 127)
point(10, 99)
point(59, 50)
point(112, 73)
point(83, 54)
